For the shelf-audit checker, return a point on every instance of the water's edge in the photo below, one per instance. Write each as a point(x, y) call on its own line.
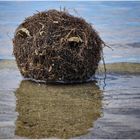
point(120, 67)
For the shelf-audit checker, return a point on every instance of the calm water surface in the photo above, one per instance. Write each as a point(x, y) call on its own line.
point(118, 23)
point(31, 110)
point(92, 110)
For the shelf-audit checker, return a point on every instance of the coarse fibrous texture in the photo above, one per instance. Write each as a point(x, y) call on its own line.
point(55, 46)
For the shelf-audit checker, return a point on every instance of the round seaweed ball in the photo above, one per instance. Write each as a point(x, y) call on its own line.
point(54, 46)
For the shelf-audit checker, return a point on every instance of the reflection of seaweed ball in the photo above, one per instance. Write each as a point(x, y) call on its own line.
point(56, 111)
point(56, 46)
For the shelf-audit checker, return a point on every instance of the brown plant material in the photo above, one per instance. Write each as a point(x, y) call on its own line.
point(56, 46)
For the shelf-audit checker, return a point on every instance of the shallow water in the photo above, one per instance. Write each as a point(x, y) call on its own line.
point(58, 111)
point(31, 110)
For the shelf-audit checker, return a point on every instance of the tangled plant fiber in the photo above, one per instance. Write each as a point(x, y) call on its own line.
point(54, 46)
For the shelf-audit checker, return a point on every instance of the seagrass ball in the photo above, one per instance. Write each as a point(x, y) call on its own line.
point(54, 46)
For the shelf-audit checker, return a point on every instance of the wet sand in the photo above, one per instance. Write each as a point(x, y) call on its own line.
point(31, 110)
